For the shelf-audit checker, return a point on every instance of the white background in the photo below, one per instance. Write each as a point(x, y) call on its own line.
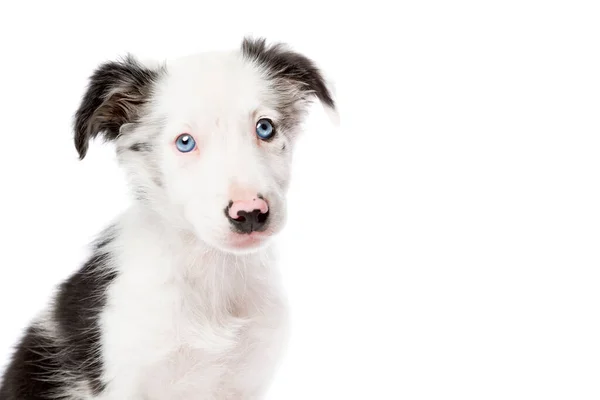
point(443, 242)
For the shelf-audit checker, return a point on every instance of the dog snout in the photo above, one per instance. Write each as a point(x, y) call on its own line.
point(248, 215)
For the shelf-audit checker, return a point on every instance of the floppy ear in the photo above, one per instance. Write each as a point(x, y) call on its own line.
point(281, 63)
point(115, 95)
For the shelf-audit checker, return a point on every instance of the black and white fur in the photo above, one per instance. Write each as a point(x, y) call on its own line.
point(173, 303)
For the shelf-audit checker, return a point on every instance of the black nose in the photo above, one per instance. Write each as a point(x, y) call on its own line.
point(248, 222)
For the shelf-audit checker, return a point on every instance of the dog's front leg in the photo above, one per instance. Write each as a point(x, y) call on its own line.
point(252, 367)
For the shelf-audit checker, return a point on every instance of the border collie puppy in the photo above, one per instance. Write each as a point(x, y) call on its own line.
point(179, 298)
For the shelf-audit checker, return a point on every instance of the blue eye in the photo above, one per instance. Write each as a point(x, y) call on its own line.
point(185, 143)
point(265, 129)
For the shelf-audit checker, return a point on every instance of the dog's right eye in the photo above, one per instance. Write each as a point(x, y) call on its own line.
point(185, 143)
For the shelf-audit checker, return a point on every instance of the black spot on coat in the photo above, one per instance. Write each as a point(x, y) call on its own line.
point(44, 363)
point(286, 65)
point(115, 96)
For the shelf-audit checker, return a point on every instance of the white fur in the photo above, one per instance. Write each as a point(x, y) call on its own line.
point(186, 321)
point(189, 308)
point(190, 316)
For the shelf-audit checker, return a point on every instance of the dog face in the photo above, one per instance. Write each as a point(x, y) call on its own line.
point(207, 140)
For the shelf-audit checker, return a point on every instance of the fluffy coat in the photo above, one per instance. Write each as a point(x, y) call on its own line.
point(173, 303)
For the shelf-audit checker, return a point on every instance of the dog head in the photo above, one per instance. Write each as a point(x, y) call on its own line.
point(207, 140)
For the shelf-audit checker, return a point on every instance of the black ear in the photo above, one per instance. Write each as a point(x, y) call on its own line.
point(115, 95)
point(283, 63)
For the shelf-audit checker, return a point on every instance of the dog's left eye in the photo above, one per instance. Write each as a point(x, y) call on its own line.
point(185, 143)
point(265, 129)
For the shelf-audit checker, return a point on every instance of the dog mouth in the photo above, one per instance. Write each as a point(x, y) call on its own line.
point(241, 241)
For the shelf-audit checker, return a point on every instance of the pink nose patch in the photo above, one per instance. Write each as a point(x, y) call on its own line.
point(248, 206)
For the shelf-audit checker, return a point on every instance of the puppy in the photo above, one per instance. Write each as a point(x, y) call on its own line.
point(179, 298)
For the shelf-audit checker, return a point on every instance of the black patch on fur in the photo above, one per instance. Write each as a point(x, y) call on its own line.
point(78, 307)
point(35, 360)
point(115, 96)
point(287, 65)
point(41, 362)
point(140, 147)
